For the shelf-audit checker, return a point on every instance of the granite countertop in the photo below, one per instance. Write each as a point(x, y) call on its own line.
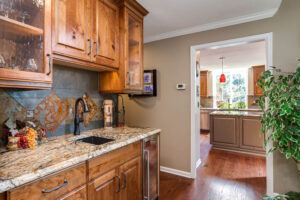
point(237, 113)
point(224, 109)
point(23, 166)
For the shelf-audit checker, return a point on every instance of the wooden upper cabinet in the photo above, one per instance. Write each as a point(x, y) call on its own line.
point(203, 84)
point(134, 76)
point(257, 70)
point(130, 76)
point(25, 44)
point(106, 33)
point(206, 84)
point(71, 28)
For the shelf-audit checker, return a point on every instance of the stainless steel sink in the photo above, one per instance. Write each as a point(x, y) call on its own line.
point(95, 140)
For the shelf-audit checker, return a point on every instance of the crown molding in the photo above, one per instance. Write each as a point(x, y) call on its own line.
point(214, 25)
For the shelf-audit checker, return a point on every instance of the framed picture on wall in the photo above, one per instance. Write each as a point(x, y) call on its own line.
point(150, 84)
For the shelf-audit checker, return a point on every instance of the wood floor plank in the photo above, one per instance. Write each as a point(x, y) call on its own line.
point(222, 175)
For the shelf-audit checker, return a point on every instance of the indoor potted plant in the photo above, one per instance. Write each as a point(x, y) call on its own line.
point(281, 115)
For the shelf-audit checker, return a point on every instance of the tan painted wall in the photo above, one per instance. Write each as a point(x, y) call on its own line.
point(170, 111)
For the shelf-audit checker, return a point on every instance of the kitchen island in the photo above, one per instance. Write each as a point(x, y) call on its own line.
point(76, 167)
point(237, 131)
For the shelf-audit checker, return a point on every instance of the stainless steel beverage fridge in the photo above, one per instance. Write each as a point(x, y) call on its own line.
point(151, 167)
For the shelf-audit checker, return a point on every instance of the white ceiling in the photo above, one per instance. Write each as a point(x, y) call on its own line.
point(236, 57)
point(170, 18)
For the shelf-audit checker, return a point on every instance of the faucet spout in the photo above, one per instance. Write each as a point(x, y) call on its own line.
point(79, 118)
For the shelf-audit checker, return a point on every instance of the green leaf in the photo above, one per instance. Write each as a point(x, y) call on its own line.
point(282, 112)
point(272, 149)
point(288, 111)
point(288, 155)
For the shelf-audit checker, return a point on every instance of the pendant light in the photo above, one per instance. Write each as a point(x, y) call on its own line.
point(222, 77)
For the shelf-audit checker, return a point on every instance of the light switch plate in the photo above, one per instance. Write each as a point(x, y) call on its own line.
point(180, 86)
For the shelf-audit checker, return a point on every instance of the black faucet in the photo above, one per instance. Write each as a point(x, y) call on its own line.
point(78, 119)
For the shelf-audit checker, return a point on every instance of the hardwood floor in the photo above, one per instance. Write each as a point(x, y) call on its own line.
point(222, 175)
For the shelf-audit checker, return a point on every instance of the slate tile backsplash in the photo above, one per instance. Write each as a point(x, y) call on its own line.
point(54, 108)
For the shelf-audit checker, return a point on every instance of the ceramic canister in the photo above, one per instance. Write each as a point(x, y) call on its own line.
point(108, 113)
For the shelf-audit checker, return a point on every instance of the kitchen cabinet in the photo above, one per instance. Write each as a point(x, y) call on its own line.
point(117, 175)
point(63, 185)
point(205, 84)
point(254, 74)
point(225, 131)
point(105, 187)
point(123, 183)
point(25, 44)
point(237, 133)
point(131, 178)
point(71, 28)
point(106, 33)
point(257, 70)
point(250, 134)
point(205, 120)
point(85, 34)
point(129, 78)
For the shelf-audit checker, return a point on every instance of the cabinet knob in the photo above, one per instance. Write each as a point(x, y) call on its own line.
point(113, 47)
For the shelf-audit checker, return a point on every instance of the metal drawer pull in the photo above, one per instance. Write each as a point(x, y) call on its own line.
point(56, 188)
point(125, 180)
point(148, 174)
point(96, 43)
point(118, 190)
point(89, 53)
point(50, 64)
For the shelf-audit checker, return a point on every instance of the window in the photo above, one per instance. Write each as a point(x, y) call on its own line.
point(232, 93)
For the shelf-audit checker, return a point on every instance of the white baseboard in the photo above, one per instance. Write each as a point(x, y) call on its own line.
point(198, 163)
point(176, 172)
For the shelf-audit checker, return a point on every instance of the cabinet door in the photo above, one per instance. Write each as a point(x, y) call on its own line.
point(105, 187)
point(106, 33)
point(134, 70)
point(225, 131)
point(249, 133)
point(25, 43)
point(131, 179)
point(203, 84)
point(257, 70)
point(71, 28)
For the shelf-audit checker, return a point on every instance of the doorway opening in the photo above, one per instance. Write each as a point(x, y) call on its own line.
point(239, 60)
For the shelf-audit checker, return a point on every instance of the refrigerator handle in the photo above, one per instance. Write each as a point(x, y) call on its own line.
point(148, 174)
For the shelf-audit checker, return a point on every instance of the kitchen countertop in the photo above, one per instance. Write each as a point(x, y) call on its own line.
point(23, 166)
point(224, 109)
point(237, 113)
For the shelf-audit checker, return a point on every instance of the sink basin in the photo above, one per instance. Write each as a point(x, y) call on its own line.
point(95, 140)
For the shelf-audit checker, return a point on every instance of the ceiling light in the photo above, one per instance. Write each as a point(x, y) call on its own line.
point(222, 77)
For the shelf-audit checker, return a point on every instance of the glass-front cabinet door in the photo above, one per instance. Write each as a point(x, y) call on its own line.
point(134, 66)
point(25, 43)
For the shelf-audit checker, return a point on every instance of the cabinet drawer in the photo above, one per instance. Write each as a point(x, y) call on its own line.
point(75, 177)
point(103, 163)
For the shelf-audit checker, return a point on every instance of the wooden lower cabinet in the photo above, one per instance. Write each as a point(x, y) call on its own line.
point(131, 178)
point(61, 185)
point(237, 133)
point(122, 183)
point(116, 175)
point(105, 187)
